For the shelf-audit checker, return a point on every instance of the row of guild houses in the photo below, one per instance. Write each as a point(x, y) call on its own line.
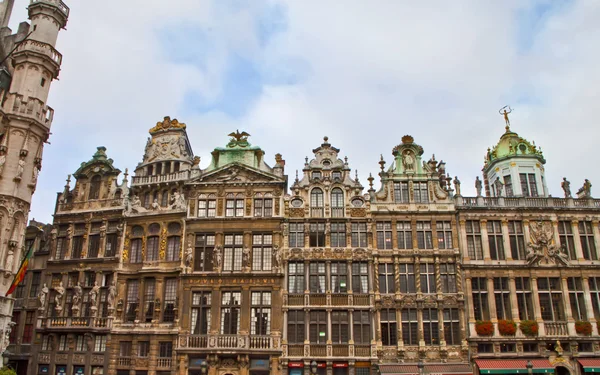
point(233, 269)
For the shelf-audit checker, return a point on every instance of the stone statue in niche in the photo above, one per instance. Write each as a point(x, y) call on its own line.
point(94, 293)
point(408, 161)
point(42, 295)
point(189, 258)
point(77, 295)
point(566, 186)
point(178, 201)
point(10, 258)
point(217, 258)
point(499, 187)
point(2, 161)
point(60, 292)
point(112, 294)
point(182, 148)
point(20, 168)
point(541, 249)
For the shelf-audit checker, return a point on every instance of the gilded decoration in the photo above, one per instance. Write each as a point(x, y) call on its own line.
point(163, 244)
point(167, 124)
point(542, 250)
point(126, 246)
point(296, 212)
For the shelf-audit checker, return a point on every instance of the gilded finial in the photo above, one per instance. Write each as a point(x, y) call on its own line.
point(505, 113)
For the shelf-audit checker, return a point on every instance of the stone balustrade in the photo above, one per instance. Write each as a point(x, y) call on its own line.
point(328, 299)
point(78, 322)
point(212, 342)
point(40, 47)
point(176, 176)
point(57, 3)
point(523, 202)
point(331, 351)
point(29, 107)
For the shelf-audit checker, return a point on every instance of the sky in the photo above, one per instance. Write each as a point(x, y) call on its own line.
point(363, 73)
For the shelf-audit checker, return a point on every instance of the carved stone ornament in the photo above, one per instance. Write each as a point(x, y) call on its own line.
point(542, 250)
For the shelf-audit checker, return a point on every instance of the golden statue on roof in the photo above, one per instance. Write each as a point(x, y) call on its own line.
point(505, 113)
point(166, 124)
point(243, 136)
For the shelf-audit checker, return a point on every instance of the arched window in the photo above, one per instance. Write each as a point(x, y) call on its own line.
point(95, 187)
point(135, 253)
point(152, 242)
point(316, 202)
point(165, 198)
point(173, 241)
point(337, 203)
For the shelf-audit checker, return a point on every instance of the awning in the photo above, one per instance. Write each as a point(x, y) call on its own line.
point(513, 366)
point(428, 369)
point(590, 364)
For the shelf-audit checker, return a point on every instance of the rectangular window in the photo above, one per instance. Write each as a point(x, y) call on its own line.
point(384, 235)
point(263, 207)
point(76, 247)
point(62, 343)
point(421, 193)
point(152, 249)
point(360, 277)
point(207, 207)
point(427, 278)
point(317, 234)
point(149, 295)
point(448, 277)
point(260, 313)
point(296, 235)
point(204, 252)
point(110, 247)
point(594, 283)
point(262, 252)
point(386, 278)
point(576, 298)
point(169, 300)
point(45, 342)
point(165, 349)
point(359, 234)
point(234, 207)
point(100, 344)
point(339, 277)
point(230, 312)
point(474, 247)
point(296, 277)
point(28, 328)
point(444, 234)
point(339, 327)
point(567, 241)
point(136, 251)
point(404, 235)
point(586, 235)
point(410, 327)
point(318, 327)
point(296, 327)
point(16, 316)
point(480, 298)
point(508, 186)
point(362, 327)
point(316, 272)
point(517, 240)
point(401, 192)
point(430, 327)
point(389, 327)
point(36, 278)
point(132, 300)
point(20, 291)
point(407, 278)
point(524, 298)
point(502, 298)
point(530, 347)
point(200, 318)
point(550, 296)
point(494, 228)
point(424, 235)
point(233, 252)
point(59, 254)
point(173, 248)
point(338, 234)
point(528, 184)
point(451, 327)
point(93, 246)
point(125, 349)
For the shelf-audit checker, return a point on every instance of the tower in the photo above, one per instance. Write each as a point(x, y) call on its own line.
point(25, 121)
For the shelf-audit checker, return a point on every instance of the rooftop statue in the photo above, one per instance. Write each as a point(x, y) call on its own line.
point(505, 113)
point(566, 186)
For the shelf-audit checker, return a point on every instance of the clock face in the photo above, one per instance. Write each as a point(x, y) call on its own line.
point(357, 202)
point(297, 203)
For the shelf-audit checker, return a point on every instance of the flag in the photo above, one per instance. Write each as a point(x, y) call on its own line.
point(21, 273)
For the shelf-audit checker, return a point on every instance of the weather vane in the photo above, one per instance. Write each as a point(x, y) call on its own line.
point(505, 113)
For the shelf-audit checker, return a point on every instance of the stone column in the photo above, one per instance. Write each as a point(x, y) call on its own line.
point(506, 240)
point(485, 245)
point(577, 240)
point(434, 234)
point(514, 304)
point(215, 311)
point(328, 286)
point(567, 305)
point(589, 310)
point(245, 307)
point(441, 327)
point(420, 325)
point(462, 235)
point(491, 299)
point(349, 285)
point(536, 307)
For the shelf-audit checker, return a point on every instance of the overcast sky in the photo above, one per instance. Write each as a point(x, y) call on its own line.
point(364, 73)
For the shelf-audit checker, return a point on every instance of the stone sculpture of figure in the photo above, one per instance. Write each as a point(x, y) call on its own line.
point(217, 258)
point(42, 296)
point(77, 295)
point(178, 201)
point(155, 205)
point(246, 257)
point(499, 187)
point(60, 291)
point(478, 186)
point(566, 186)
point(232, 176)
point(276, 257)
point(189, 257)
point(587, 188)
point(20, 168)
point(558, 348)
point(457, 185)
point(136, 202)
point(408, 161)
point(112, 294)
point(2, 162)
point(94, 293)
point(10, 258)
point(182, 148)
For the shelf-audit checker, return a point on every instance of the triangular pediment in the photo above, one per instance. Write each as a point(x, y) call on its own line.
point(236, 173)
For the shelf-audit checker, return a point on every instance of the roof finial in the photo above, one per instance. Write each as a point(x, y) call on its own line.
point(370, 179)
point(296, 175)
point(381, 162)
point(505, 113)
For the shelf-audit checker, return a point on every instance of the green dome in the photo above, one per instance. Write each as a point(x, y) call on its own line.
point(512, 145)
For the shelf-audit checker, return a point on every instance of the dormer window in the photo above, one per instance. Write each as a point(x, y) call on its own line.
point(336, 175)
point(95, 187)
point(326, 163)
point(401, 192)
point(337, 203)
point(316, 175)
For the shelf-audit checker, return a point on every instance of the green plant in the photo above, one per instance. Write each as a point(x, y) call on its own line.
point(507, 327)
point(583, 327)
point(529, 327)
point(484, 328)
point(7, 371)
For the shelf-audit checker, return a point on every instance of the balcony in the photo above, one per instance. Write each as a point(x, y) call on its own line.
point(538, 202)
point(330, 351)
point(155, 179)
point(29, 107)
point(57, 3)
point(362, 350)
point(164, 363)
point(556, 328)
point(218, 342)
point(334, 299)
point(40, 47)
point(318, 299)
point(340, 350)
point(318, 350)
point(79, 322)
point(124, 361)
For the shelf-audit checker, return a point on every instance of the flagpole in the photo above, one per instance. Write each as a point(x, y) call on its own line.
point(25, 258)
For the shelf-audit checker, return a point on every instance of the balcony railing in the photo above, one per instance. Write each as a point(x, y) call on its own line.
point(91, 205)
point(57, 3)
point(534, 202)
point(334, 299)
point(164, 362)
point(339, 300)
point(296, 299)
point(295, 350)
point(318, 299)
point(254, 342)
point(318, 350)
point(40, 47)
point(361, 300)
point(176, 176)
point(124, 361)
point(261, 342)
point(78, 322)
point(340, 350)
point(362, 350)
point(556, 328)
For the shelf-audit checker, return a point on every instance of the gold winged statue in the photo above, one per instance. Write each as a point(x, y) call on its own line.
point(239, 139)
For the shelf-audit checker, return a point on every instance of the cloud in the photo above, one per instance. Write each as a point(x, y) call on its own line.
point(291, 72)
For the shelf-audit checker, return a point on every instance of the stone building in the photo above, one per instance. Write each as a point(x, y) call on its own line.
point(25, 81)
point(223, 270)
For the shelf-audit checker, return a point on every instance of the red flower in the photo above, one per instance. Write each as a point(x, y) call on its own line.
point(484, 328)
point(583, 327)
point(507, 327)
point(529, 327)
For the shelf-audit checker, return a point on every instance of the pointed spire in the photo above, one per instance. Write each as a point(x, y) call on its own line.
point(370, 179)
point(382, 163)
point(296, 176)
